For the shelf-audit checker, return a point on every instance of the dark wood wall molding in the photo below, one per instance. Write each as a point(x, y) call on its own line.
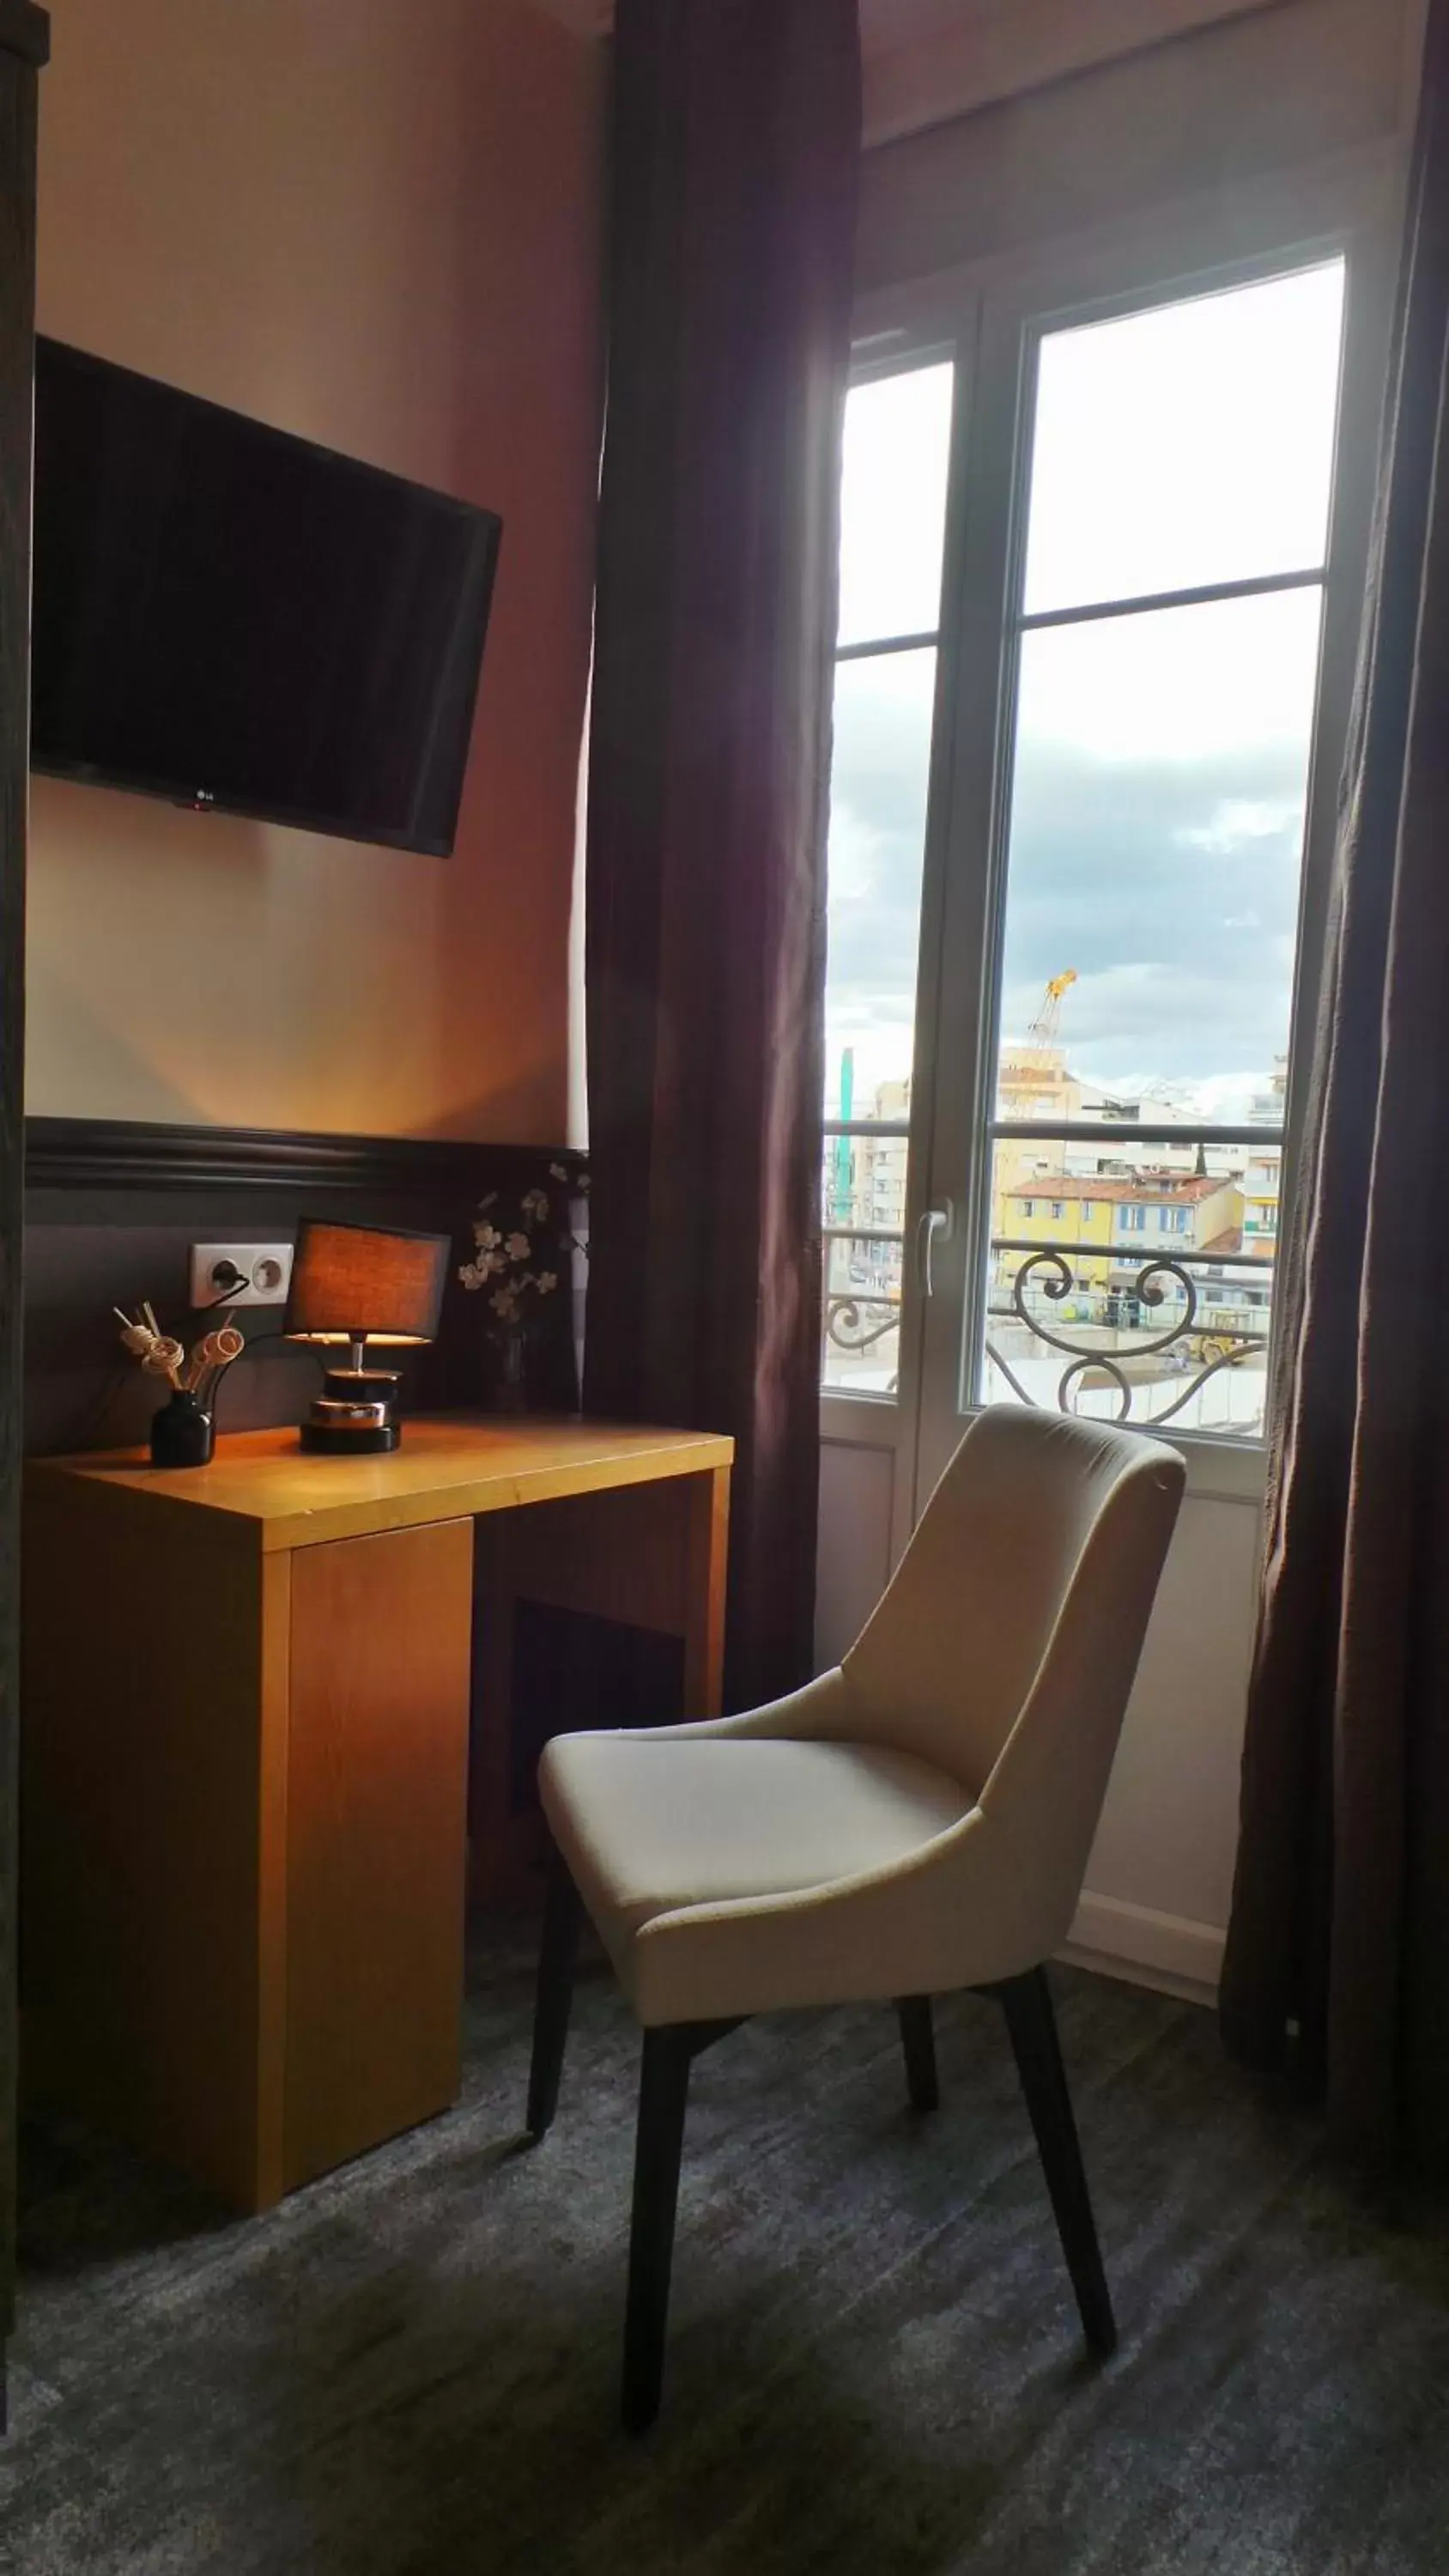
point(112, 1206)
point(84, 1154)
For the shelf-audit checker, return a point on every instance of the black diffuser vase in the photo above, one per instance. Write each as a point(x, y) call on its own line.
point(183, 1434)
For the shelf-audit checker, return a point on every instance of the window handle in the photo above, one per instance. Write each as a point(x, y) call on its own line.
point(931, 1222)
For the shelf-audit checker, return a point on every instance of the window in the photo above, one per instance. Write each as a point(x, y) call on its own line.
point(1163, 663)
point(1103, 803)
point(893, 516)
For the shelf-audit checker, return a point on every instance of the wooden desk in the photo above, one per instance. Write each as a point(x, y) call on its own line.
point(245, 1731)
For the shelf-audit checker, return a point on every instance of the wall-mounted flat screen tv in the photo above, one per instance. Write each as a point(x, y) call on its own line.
point(230, 617)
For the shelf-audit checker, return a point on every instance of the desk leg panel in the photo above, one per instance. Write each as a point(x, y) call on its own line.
point(142, 1792)
point(375, 1812)
point(708, 1568)
point(652, 1556)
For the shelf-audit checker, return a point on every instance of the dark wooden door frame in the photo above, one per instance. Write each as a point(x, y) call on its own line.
point(24, 46)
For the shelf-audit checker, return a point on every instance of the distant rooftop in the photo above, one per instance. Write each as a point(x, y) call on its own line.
point(1180, 1189)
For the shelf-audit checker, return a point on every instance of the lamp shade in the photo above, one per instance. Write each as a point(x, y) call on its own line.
point(360, 1283)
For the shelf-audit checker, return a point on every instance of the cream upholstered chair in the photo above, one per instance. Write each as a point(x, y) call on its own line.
point(916, 1821)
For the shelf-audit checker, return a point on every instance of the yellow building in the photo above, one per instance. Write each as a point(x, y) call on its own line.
point(1075, 1216)
point(1262, 1189)
point(1110, 1225)
point(1031, 1082)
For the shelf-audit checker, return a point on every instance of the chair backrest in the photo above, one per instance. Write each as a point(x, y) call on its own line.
point(1004, 1649)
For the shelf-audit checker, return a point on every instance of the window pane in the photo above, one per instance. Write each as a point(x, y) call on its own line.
point(1187, 445)
point(1151, 921)
point(878, 784)
point(893, 505)
point(1125, 1281)
point(860, 1346)
point(1155, 856)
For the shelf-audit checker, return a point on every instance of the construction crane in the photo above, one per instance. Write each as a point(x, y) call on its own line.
point(1043, 1029)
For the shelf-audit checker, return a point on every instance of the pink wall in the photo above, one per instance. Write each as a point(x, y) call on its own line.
point(375, 222)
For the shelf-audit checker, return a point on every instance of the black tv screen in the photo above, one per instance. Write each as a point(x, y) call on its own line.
point(231, 617)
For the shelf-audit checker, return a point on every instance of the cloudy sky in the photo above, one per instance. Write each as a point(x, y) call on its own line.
point(1161, 758)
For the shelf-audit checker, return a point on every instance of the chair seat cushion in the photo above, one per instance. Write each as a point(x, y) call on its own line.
point(649, 1824)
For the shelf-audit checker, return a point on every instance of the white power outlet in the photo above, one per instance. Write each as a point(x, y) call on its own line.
point(240, 1274)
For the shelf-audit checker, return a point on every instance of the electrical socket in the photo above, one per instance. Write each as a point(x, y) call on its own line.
point(265, 1268)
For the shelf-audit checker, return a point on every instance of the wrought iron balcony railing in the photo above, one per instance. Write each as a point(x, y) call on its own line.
point(862, 1308)
point(864, 1264)
point(1150, 1338)
point(1108, 1327)
point(1179, 1334)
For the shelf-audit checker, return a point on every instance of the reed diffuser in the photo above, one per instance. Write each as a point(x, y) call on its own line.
point(183, 1432)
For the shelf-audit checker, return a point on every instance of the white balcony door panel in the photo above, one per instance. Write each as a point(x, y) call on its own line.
point(1158, 1886)
point(858, 1495)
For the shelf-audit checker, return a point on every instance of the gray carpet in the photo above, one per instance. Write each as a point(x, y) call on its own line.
point(875, 2364)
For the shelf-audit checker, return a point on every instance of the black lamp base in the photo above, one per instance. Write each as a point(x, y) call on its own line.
point(351, 1439)
point(356, 1415)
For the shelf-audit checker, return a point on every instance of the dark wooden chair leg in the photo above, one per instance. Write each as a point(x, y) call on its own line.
point(918, 2039)
point(1032, 2023)
point(663, 2092)
point(562, 1919)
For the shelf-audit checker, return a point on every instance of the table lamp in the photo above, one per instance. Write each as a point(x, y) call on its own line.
point(356, 1284)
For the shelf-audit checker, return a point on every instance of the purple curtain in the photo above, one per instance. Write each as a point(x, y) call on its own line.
point(1340, 1925)
point(736, 153)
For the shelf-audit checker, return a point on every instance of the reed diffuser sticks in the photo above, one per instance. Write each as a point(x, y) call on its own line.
point(161, 1355)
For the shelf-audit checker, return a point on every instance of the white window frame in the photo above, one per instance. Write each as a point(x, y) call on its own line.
point(1351, 205)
